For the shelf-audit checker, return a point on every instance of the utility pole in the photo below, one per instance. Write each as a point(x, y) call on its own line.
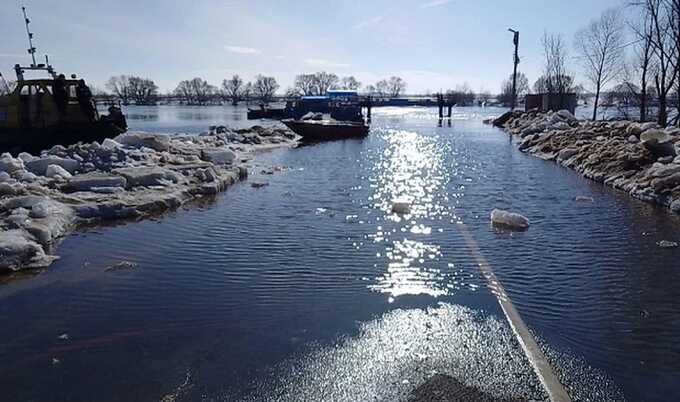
point(515, 40)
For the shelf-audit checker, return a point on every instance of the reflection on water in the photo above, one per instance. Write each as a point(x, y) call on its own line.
point(403, 349)
point(186, 119)
point(315, 272)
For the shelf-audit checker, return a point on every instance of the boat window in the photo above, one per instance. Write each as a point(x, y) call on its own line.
point(72, 91)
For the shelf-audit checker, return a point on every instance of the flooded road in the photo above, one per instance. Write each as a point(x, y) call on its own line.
point(312, 289)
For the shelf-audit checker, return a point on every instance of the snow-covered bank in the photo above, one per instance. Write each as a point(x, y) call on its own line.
point(43, 198)
point(640, 159)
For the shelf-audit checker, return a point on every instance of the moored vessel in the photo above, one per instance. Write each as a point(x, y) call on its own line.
point(39, 113)
point(324, 130)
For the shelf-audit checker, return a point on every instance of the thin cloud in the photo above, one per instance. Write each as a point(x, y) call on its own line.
point(326, 63)
point(367, 23)
point(241, 50)
point(435, 3)
point(12, 55)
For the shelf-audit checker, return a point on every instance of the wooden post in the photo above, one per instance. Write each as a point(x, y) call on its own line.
point(440, 103)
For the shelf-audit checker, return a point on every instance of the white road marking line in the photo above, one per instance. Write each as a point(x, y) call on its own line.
point(543, 370)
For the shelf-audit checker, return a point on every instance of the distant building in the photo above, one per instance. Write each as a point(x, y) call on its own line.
point(343, 95)
point(547, 102)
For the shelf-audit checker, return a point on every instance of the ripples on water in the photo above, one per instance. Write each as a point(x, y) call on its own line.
point(313, 286)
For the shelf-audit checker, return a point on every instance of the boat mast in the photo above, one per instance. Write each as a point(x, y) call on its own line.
point(31, 49)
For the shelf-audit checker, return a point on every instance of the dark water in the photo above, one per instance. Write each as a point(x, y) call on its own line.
point(311, 289)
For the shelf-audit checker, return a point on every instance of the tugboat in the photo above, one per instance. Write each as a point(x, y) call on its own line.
point(40, 113)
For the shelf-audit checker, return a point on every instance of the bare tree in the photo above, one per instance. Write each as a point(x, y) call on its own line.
point(371, 90)
point(120, 86)
point(557, 79)
point(196, 91)
point(396, 86)
point(523, 89)
point(305, 84)
point(247, 92)
point(324, 81)
point(184, 91)
point(142, 90)
point(382, 88)
point(232, 89)
point(461, 96)
point(203, 91)
point(600, 46)
point(642, 66)
point(7, 87)
point(350, 83)
point(264, 88)
point(665, 42)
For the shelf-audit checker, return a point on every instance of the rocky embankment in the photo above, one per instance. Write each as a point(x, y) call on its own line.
point(43, 198)
point(638, 158)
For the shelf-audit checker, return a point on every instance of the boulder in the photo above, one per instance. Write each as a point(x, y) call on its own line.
point(658, 142)
point(28, 177)
point(88, 181)
point(110, 144)
point(658, 170)
point(156, 142)
point(146, 176)
point(509, 219)
point(56, 170)
point(567, 153)
point(219, 156)
point(39, 165)
point(9, 164)
point(566, 115)
point(6, 190)
point(673, 131)
point(26, 157)
point(19, 251)
point(633, 139)
point(666, 182)
point(675, 206)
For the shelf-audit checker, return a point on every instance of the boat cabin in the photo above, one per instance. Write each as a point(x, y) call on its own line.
point(33, 104)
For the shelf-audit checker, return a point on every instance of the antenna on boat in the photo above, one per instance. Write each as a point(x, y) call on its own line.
point(31, 49)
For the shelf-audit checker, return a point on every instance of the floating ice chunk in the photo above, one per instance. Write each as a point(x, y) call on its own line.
point(667, 244)
point(401, 206)
point(509, 219)
point(581, 198)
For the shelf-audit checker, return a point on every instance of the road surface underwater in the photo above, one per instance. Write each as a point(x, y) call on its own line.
point(310, 288)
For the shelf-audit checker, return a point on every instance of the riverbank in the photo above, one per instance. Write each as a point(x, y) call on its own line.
point(638, 158)
point(134, 176)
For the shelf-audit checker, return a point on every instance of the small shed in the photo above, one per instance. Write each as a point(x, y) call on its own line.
point(547, 102)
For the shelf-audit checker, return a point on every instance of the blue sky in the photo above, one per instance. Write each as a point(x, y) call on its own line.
point(433, 44)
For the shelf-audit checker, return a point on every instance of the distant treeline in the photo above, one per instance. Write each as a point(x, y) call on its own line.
point(627, 57)
point(130, 89)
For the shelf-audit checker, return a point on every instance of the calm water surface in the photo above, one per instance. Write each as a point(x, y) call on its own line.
point(311, 289)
